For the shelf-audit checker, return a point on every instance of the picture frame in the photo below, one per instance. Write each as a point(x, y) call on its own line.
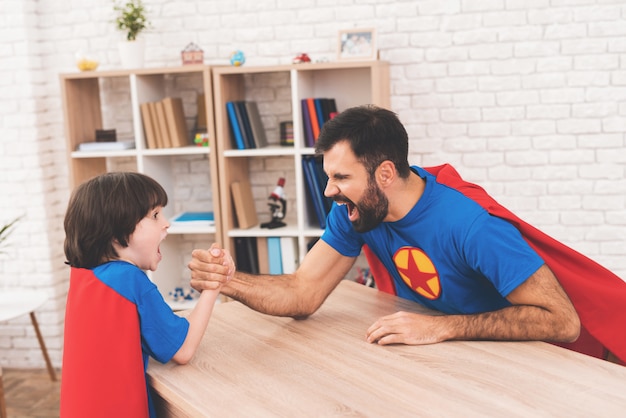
point(356, 44)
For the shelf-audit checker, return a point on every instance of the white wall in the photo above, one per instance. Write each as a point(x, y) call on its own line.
point(525, 97)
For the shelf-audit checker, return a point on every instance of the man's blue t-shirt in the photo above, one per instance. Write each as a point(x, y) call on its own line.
point(447, 253)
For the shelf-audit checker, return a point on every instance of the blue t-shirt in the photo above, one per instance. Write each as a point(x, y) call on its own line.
point(447, 253)
point(162, 331)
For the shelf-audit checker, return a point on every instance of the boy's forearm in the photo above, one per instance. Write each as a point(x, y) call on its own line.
point(198, 321)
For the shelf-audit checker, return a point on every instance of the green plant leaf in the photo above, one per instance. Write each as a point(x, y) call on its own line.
point(131, 18)
point(6, 231)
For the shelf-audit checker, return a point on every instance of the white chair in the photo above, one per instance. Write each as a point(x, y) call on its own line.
point(15, 302)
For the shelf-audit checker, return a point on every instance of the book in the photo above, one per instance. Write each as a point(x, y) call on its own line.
point(106, 146)
point(322, 179)
point(244, 204)
point(319, 112)
point(148, 125)
point(262, 255)
point(194, 218)
point(244, 123)
point(306, 124)
point(315, 126)
point(162, 125)
point(201, 124)
point(289, 254)
point(275, 259)
point(258, 131)
point(176, 124)
point(246, 255)
point(158, 137)
point(234, 126)
point(332, 108)
point(313, 189)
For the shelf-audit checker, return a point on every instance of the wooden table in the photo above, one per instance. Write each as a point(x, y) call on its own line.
point(255, 365)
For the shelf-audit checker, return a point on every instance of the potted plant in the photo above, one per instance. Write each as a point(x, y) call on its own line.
point(131, 19)
point(5, 231)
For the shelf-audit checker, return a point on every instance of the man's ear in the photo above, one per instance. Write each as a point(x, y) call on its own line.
point(386, 173)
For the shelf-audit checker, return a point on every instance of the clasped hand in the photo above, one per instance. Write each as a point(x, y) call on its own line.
point(212, 268)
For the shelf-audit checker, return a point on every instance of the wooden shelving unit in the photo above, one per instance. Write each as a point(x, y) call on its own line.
point(278, 98)
point(111, 100)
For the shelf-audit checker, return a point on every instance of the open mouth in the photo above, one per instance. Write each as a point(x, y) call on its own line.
point(352, 210)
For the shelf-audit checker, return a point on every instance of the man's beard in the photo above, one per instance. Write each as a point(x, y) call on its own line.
point(373, 208)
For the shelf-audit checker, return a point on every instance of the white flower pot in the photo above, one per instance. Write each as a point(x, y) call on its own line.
point(132, 53)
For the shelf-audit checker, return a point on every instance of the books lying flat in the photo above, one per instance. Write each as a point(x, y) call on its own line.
point(106, 146)
point(194, 218)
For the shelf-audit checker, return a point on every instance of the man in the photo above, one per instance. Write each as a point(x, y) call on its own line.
point(441, 248)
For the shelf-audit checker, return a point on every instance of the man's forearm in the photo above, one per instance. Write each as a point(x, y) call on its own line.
point(515, 323)
point(270, 294)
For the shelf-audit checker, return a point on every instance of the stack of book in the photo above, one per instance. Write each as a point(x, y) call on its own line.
point(164, 123)
point(315, 112)
point(316, 179)
point(245, 125)
point(271, 255)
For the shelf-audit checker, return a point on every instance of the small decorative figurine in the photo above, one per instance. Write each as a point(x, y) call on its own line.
point(237, 58)
point(301, 58)
point(278, 206)
point(192, 54)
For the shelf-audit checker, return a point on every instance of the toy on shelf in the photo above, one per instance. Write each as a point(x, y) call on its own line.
point(277, 205)
point(301, 59)
point(201, 140)
point(237, 58)
point(183, 293)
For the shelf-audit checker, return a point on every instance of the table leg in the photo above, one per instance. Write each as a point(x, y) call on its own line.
point(44, 351)
point(3, 405)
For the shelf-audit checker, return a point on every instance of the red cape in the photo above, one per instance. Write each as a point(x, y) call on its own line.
point(598, 295)
point(103, 372)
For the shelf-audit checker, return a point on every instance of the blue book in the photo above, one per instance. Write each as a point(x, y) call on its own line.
point(318, 169)
point(319, 112)
point(274, 255)
point(194, 219)
point(314, 192)
point(234, 125)
point(244, 123)
point(194, 216)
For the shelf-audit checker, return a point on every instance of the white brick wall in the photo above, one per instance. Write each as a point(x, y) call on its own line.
point(526, 98)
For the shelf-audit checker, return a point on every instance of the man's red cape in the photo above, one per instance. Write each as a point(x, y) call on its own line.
point(598, 295)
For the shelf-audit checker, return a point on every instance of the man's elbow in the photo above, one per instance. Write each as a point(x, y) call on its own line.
point(571, 331)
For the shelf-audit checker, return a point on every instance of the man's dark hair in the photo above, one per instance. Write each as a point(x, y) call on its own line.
point(107, 208)
point(374, 134)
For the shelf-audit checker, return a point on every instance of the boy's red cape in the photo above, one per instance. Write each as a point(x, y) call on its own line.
point(598, 295)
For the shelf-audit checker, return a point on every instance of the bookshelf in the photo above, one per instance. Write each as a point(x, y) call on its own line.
point(112, 100)
point(278, 91)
